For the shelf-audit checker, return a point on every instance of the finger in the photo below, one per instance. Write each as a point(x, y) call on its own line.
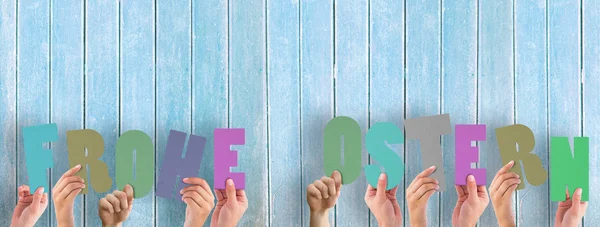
point(322, 188)
point(502, 178)
point(200, 202)
point(337, 178)
point(424, 173)
point(471, 187)
point(568, 195)
point(459, 190)
point(230, 191)
point(427, 195)
point(129, 192)
point(114, 201)
point(69, 173)
point(576, 200)
point(313, 191)
point(219, 194)
point(37, 198)
point(105, 205)
point(200, 190)
point(504, 169)
point(190, 202)
point(69, 188)
point(393, 191)
point(198, 181)
point(421, 181)
point(381, 184)
point(71, 196)
point(330, 183)
point(122, 196)
point(503, 189)
point(23, 191)
point(66, 181)
point(424, 189)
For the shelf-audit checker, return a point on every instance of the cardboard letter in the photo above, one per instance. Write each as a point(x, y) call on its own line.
point(467, 154)
point(375, 141)
point(141, 143)
point(569, 170)
point(226, 158)
point(509, 138)
point(37, 158)
point(175, 166)
point(80, 141)
point(346, 130)
point(428, 131)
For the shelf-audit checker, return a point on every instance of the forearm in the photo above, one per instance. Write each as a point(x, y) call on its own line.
point(65, 220)
point(319, 219)
point(417, 219)
point(505, 219)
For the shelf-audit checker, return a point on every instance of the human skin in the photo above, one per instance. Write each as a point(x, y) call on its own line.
point(199, 200)
point(115, 207)
point(501, 190)
point(63, 194)
point(417, 195)
point(571, 211)
point(321, 196)
point(231, 205)
point(383, 203)
point(472, 201)
point(29, 207)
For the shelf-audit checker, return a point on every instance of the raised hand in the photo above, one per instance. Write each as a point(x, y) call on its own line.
point(501, 190)
point(199, 199)
point(114, 208)
point(231, 205)
point(417, 195)
point(64, 193)
point(29, 207)
point(383, 203)
point(571, 211)
point(472, 201)
point(321, 196)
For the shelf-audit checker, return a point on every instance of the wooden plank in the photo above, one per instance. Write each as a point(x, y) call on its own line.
point(495, 82)
point(387, 72)
point(459, 86)
point(210, 66)
point(423, 27)
point(8, 113)
point(591, 103)
point(102, 89)
point(66, 104)
point(248, 102)
point(137, 85)
point(564, 88)
point(530, 102)
point(283, 72)
point(351, 96)
point(33, 91)
point(173, 91)
point(316, 98)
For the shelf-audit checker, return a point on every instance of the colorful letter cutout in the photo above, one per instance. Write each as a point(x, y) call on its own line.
point(141, 143)
point(346, 130)
point(428, 131)
point(37, 158)
point(226, 158)
point(175, 165)
point(80, 141)
point(521, 136)
point(467, 154)
point(375, 140)
point(569, 170)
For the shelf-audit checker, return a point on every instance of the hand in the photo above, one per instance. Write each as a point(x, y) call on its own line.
point(231, 205)
point(417, 195)
point(321, 196)
point(383, 204)
point(570, 212)
point(501, 190)
point(472, 201)
point(64, 193)
point(114, 208)
point(29, 207)
point(199, 199)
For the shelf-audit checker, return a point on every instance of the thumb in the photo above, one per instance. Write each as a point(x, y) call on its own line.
point(230, 190)
point(129, 192)
point(37, 197)
point(337, 178)
point(381, 184)
point(576, 200)
point(471, 187)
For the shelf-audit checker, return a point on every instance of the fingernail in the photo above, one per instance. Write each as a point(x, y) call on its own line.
point(511, 162)
point(437, 187)
point(41, 191)
point(518, 176)
point(78, 166)
point(382, 176)
point(471, 178)
point(578, 191)
point(181, 192)
point(185, 179)
point(229, 182)
point(519, 181)
point(83, 186)
point(432, 167)
point(437, 182)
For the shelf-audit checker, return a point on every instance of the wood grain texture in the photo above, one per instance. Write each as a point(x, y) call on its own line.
point(283, 54)
point(102, 105)
point(531, 96)
point(8, 113)
point(351, 96)
point(210, 77)
point(423, 51)
point(591, 103)
point(138, 87)
point(386, 100)
point(564, 83)
point(459, 86)
point(67, 89)
point(248, 98)
point(173, 92)
point(316, 99)
point(33, 80)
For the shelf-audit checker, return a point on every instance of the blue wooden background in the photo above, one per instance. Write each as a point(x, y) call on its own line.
point(282, 69)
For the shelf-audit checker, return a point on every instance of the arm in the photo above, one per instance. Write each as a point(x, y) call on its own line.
point(501, 190)
point(417, 196)
point(321, 196)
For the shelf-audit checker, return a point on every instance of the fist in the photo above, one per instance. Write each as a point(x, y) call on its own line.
point(323, 194)
point(114, 208)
